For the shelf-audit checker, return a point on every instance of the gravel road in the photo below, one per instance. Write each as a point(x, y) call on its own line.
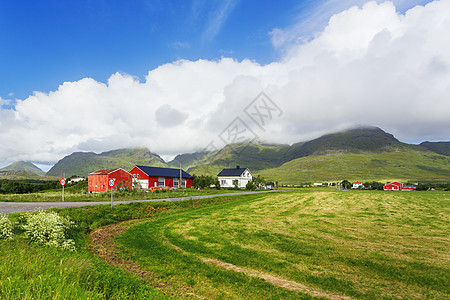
point(14, 207)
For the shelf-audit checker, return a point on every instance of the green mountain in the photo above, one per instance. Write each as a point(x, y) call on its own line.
point(259, 156)
point(358, 140)
point(25, 166)
point(255, 156)
point(437, 147)
point(187, 160)
point(357, 154)
point(83, 163)
point(24, 175)
point(403, 164)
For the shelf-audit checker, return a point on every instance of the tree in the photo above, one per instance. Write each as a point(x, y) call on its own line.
point(205, 181)
point(346, 184)
point(236, 184)
point(256, 183)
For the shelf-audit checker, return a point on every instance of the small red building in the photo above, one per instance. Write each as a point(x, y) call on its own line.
point(98, 180)
point(398, 186)
point(150, 177)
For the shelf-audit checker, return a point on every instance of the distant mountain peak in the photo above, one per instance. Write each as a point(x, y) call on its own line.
point(83, 163)
point(25, 166)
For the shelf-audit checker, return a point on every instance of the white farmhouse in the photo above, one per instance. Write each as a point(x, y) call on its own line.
point(227, 177)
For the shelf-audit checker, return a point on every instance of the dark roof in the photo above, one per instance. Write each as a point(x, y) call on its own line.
point(164, 172)
point(232, 172)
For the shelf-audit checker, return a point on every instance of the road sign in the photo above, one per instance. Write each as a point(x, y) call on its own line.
point(111, 184)
point(62, 182)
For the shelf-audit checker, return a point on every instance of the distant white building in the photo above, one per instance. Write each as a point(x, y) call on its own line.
point(227, 177)
point(76, 179)
point(357, 185)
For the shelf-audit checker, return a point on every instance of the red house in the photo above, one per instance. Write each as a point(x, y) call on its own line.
point(150, 177)
point(98, 180)
point(398, 186)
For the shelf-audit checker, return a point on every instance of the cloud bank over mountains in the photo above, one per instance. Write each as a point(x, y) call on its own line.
point(370, 65)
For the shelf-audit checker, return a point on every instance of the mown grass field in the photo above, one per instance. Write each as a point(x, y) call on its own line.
point(405, 165)
point(363, 244)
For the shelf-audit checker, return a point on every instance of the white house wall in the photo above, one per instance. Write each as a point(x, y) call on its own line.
point(228, 181)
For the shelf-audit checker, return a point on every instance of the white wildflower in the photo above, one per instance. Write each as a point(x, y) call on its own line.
point(49, 228)
point(6, 228)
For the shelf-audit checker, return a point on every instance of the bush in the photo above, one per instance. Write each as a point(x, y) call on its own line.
point(48, 228)
point(6, 228)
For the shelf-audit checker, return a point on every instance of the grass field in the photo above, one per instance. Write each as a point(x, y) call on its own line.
point(30, 271)
point(305, 244)
point(405, 165)
point(365, 245)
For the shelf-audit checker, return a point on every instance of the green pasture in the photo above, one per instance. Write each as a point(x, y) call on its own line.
point(361, 245)
point(364, 245)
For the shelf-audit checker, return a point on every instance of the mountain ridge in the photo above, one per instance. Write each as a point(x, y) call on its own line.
point(257, 156)
point(25, 166)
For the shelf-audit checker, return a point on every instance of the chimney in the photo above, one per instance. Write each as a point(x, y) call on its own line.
point(237, 167)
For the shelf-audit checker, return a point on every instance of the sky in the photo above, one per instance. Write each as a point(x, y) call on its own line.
point(184, 76)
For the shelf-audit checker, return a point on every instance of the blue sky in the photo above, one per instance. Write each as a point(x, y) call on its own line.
point(173, 75)
point(45, 43)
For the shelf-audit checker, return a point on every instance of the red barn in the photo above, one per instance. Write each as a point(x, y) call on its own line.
point(398, 186)
point(149, 177)
point(98, 180)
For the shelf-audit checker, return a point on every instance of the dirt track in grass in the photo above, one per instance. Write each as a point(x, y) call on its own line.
point(104, 246)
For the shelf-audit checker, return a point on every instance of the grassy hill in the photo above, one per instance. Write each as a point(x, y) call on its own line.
point(404, 164)
point(255, 156)
point(357, 140)
point(83, 163)
point(24, 166)
point(24, 175)
point(438, 147)
point(267, 159)
point(259, 156)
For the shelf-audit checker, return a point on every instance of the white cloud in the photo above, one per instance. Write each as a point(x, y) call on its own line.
point(370, 65)
point(311, 22)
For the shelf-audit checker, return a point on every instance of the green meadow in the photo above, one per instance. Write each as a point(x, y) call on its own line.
point(364, 245)
point(290, 245)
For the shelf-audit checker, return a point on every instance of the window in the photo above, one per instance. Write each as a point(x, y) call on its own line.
point(223, 182)
point(183, 183)
point(134, 175)
point(175, 182)
point(160, 181)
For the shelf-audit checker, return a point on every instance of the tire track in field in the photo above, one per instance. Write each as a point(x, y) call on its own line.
point(104, 246)
point(283, 283)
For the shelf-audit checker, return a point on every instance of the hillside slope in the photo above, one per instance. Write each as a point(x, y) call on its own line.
point(255, 156)
point(357, 140)
point(437, 147)
point(25, 166)
point(83, 163)
point(260, 156)
point(405, 164)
